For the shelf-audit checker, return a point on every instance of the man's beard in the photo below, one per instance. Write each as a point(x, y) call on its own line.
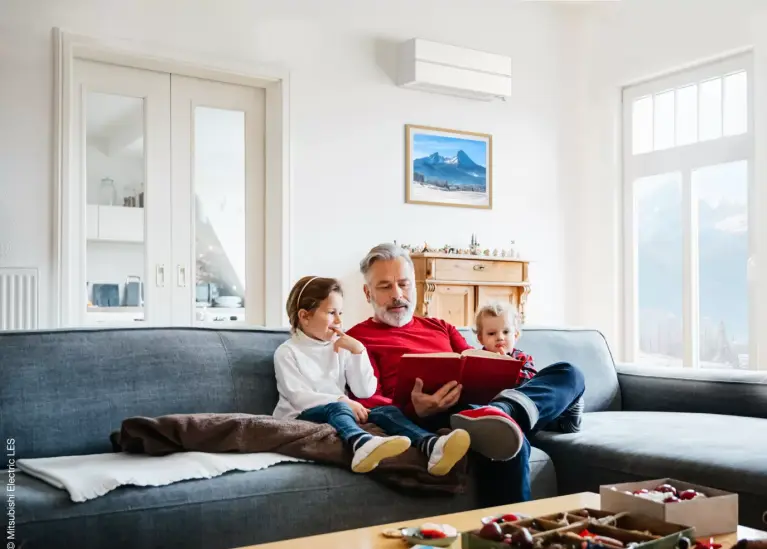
point(396, 319)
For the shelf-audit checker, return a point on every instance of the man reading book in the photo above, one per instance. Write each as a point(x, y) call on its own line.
point(498, 430)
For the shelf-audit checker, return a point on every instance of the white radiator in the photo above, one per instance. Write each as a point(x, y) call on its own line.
point(18, 299)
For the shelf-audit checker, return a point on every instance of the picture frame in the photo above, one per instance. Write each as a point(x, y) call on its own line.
point(448, 167)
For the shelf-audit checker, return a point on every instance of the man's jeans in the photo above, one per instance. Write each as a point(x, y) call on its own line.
point(551, 392)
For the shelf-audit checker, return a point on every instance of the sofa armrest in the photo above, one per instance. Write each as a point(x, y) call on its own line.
point(728, 392)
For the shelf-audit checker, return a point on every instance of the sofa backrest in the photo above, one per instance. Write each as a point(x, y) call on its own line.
point(64, 392)
point(586, 349)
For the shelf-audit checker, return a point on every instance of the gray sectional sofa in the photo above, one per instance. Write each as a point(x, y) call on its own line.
point(63, 392)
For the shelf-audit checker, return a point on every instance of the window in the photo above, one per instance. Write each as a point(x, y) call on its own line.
point(688, 151)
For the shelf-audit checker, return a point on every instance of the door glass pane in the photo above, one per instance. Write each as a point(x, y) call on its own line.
point(736, 104)
point(664, 120)
point(219, 202)
point(658, 211)
point(721, 195)
point(711, 109)
point(115, 208)
point(641, 125)
point(687, 115)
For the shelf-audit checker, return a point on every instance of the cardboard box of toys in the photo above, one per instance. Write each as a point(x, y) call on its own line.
point(708, 510)
point(578, 529)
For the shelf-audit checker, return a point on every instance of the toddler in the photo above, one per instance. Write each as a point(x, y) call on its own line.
point(497, 328)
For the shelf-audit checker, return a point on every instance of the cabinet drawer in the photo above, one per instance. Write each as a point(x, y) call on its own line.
point(478, 270)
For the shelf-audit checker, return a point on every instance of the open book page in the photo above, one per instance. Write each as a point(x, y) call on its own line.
point(485, 354)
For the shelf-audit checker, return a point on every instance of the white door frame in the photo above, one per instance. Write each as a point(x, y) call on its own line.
point(275, 82)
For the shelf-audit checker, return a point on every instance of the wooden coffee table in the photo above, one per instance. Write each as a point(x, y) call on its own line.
point(371, 538)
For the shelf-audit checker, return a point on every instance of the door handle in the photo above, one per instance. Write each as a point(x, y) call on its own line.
point(160, 275)
point(181, 276)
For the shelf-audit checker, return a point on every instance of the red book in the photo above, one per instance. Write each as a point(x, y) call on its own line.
point(483, 374)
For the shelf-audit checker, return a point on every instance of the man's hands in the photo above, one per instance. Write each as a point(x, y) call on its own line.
point(360, 412)
point(347, 342)
point(427, 405)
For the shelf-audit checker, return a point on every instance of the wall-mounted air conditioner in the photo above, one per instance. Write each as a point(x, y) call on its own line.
point(440, 68)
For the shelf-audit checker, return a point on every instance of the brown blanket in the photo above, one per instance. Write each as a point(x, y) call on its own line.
point(246, 433)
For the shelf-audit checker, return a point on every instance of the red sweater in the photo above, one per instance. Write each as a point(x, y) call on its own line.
point(386, 344)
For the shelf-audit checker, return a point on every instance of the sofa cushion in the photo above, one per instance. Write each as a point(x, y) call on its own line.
point(724, 452)
point(234, 509)
point(228, 511)
point(717, 391)
point(586, 349)
point(65, 391)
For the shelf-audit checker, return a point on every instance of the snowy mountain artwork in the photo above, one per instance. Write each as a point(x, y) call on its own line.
point(448, 167)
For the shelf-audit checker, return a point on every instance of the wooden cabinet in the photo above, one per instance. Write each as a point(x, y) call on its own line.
point(452, 303)
point(508, 294)
point(453, 287)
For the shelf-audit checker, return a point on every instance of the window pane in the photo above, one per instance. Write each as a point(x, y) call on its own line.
point(687, 115)
point(219, 192)
point(115, 250)
point(711, 109)
point(664, 120)
point(721, 194)
point(736, 104)
point(658, 210)
point(642, 125)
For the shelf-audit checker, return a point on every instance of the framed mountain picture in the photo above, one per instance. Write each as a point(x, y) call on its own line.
point(448, 167)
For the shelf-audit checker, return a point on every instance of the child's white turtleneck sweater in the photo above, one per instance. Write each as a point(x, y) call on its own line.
point(310, 373)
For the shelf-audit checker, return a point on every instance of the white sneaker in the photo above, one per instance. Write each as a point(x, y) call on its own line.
point(448, 450)
point(369, 455)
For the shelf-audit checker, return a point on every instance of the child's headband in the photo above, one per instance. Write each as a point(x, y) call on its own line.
point(298, 301)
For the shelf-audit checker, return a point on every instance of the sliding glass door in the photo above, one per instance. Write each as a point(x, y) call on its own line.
point(171, 200)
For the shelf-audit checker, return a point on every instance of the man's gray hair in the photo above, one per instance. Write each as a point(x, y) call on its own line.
point(383, 252)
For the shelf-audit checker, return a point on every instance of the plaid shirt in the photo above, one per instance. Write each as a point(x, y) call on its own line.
point(528, 370)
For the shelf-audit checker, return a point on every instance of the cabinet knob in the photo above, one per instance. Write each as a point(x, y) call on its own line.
point(479, 267)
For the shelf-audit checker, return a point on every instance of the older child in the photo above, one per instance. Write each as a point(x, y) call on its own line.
point(313, 369)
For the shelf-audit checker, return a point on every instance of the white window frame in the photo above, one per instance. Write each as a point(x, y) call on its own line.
point(685, 159)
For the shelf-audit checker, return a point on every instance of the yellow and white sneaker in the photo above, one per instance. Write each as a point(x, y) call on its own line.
point(370, 454)
point(448, 451)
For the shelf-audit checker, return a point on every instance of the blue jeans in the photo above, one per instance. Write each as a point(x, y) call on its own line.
point(389, 418)
point(552, 391)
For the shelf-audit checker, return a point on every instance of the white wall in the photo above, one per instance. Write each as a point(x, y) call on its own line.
point(347, 121)
point(618, 44)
